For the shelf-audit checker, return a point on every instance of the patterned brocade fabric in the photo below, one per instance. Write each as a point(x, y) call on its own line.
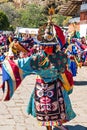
point(39, 61)
point(59, 60)
point(42, 61)
point(49, 104)
point(49, 67)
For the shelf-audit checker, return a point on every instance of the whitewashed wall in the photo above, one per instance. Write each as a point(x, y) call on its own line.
point(83, 30)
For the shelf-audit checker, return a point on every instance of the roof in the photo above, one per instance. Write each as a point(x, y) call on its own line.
point(71, 8)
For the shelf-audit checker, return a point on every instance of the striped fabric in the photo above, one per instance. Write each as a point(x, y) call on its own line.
point(12, 77)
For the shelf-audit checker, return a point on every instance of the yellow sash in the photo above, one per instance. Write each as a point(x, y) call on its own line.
point(66, 84)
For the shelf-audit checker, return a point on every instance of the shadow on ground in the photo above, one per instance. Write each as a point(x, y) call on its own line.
point(0, 74)
point(80, 83)
point(76, 127)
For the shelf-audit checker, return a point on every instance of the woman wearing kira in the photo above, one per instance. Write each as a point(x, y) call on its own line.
point(49, 102)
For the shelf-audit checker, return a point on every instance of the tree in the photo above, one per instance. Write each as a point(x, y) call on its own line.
point(66, 21)
point(58, 19)
point(11, 12)
point(32, 16)
point(4, 23)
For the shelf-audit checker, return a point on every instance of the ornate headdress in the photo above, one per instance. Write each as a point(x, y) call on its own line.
point(50, 34)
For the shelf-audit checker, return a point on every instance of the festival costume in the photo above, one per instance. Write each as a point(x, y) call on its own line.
point(72, 60)
point(74, 53)
point(52, 104)
point(50, 109)
point(49, 101)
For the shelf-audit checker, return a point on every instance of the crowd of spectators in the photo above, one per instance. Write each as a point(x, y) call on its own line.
point(8, 48)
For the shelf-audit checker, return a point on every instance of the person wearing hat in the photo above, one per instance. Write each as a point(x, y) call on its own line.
point(49, 102)
point(49, 94)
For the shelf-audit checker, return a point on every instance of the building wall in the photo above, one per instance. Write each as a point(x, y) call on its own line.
point(83, 30)
point(83, 20)
point(83, 17)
